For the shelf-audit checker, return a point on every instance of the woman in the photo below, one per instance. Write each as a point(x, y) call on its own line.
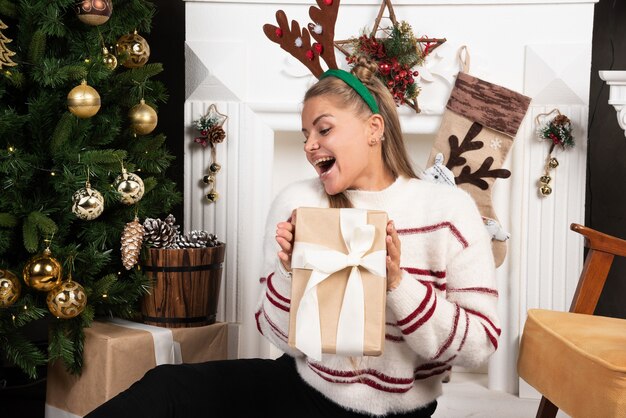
point(441, 299)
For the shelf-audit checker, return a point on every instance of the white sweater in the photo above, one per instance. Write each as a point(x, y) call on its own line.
point(444, 311)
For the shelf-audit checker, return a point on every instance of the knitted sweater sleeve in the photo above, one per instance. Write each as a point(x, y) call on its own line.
point(457, 324)
point(274, 305)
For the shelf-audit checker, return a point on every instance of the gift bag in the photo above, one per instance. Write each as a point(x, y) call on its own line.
point(339, 282)
point(476, 133)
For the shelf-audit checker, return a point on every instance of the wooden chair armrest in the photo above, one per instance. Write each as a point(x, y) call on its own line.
point(598, 241)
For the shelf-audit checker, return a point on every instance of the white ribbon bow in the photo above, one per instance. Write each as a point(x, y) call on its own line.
point(358, 237)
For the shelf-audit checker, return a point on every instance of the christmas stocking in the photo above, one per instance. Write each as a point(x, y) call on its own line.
point(475, 136)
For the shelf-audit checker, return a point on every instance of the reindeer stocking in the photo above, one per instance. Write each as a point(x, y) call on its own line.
point(476, 133)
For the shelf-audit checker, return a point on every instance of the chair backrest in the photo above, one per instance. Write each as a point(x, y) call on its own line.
point(602, 249)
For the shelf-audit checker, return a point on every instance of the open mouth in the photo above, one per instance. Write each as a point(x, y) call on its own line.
point(325, 164)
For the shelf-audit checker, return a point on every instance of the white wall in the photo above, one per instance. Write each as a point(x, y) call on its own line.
point(539, 48)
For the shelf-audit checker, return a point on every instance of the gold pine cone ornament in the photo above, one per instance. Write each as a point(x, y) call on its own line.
point(132, 238)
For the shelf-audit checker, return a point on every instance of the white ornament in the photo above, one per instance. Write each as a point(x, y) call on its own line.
point(317, 29)
point(298, 42)
point(87, 203)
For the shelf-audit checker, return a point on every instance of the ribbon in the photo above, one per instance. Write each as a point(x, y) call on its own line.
point(166, 350)
point(358, 236)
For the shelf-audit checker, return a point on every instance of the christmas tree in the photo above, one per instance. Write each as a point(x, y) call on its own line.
point(77, 137)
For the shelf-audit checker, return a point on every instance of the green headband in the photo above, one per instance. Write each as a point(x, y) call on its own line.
point(356, 84)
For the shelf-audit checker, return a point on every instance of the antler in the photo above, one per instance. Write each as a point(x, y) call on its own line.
point(455, 159)
point(476, 178)
point(323, 31)
point(325, 18)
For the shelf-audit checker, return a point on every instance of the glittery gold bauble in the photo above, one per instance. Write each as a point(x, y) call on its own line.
point(87, 203)
point(135, 48)
point(545, 179)
point(212, 196)
point(109, 60)
point(130, 187)
point(42, 272)
point(83, 101)
point(143, 118)
point(553, 162)
point(67, 300)
point(545, 190)
point(94, 12)
point(10, 288)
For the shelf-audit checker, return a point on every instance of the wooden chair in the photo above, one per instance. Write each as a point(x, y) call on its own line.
point(577, 361)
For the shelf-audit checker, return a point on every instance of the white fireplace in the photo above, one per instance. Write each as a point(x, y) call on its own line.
point(539, 48)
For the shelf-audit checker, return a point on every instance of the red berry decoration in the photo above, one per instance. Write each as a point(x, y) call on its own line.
point(309, 55)
point(328, 2)
point(318, 48)
point(279, 32)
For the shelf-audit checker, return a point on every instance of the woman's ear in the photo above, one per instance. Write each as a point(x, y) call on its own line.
point(376, 126)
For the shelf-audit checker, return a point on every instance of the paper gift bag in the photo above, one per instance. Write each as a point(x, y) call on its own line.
point(339, 282)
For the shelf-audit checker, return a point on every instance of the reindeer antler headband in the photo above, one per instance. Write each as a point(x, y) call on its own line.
point(297, 42)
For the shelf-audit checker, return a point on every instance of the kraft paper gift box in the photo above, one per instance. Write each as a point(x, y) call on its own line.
point(118, 353)
point(339, 282)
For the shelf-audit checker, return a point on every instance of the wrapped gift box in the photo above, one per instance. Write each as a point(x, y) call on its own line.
point(342, 312)
point(118, 353)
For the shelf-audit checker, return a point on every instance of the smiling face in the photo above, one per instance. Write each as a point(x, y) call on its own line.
point(338, 145)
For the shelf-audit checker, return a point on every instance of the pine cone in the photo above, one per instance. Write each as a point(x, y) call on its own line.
point(212, 241)
point(193, 239)
point(161, 234)
point(132, 237)
point(216, 134)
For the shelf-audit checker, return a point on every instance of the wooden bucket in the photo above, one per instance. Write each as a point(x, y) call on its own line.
point(186, 286)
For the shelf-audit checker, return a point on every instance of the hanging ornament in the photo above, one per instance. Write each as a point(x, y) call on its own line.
point(135, 48)
point(130, 187)
point(87, 203)
point(94, 12)
point(42, 272)
point(109, 60)
point(210, 127)
point(10, 288)
point(83, 100)
point(5, 52)
point(143, 118)
point(132, 238)
point(558, 131)
point(67, 300)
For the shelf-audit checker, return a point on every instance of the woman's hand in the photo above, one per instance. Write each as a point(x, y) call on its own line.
point(285, 232)
point(394, 274)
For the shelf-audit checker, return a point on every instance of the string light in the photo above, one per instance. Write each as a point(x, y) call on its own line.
point(11, 149)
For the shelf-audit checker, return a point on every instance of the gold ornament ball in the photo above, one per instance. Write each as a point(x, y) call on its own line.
point(545, 179)
point(87, 203)
point(553, 163)
point(545, 190)
point(143, 118)
point(109, 60)
point(42, 272)
point(94, 12)
point(212, 196)
point(130, 187)
point(10, 288)
point(67, 300)
point(83, 101)
point(135, 48)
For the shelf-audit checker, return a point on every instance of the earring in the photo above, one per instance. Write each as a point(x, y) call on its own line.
point(382, 138)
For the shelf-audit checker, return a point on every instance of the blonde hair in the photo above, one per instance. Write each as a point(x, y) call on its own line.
point(394, 154)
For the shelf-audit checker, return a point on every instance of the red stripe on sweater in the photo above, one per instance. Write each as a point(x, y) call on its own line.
point(422, 320)
point(394, 338)
point(279, 333)
point(425, 272)
point(482, 316)
point(275, 302)
point(256, 318)
point(465, 333)
point(272, 289)
point(450, 338)
point(493, 339)
point(438, 286)
point(359, 373)
point(365, 381)
point(420, 308)
point(485, 290)
point(433, 373)
point(433, 365)
point(430, 228)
